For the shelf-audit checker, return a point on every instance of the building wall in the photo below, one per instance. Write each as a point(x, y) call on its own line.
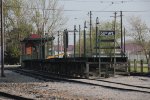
point(137, 56)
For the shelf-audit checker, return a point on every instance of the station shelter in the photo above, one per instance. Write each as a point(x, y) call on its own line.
point(33, 47)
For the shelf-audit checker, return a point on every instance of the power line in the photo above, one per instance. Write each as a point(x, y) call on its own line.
point(105, 1)
point(122, 11)
point(73, 10)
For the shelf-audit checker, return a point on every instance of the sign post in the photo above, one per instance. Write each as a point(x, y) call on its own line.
point(106, 33)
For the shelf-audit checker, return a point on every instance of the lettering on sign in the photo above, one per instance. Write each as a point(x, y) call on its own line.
point(107, 33)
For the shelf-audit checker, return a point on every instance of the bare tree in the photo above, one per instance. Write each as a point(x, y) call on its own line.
point(139, 31)
point(47, 16)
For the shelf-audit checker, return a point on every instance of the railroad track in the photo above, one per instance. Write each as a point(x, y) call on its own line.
point(6, 96)
point(93, 82)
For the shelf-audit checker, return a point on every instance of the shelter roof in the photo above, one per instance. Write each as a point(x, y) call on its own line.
point(37, 38)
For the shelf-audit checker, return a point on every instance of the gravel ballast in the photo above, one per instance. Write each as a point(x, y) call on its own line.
point(25, 86)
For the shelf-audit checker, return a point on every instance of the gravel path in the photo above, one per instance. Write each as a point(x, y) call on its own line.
point(29, 87)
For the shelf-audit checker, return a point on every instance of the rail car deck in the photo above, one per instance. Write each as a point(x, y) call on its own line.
point(80, 66)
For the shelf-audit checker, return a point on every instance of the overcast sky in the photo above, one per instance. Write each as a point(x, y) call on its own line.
point(79, 10)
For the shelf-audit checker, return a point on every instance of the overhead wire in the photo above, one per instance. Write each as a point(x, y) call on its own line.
point(106, 1)
point(108, 6)
point(73, 10)
point(101, 1)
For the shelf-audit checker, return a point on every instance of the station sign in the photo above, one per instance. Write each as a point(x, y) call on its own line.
point(106, 33)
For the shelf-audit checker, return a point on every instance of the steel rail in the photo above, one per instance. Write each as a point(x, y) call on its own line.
point(45, 77)
point(11, 96)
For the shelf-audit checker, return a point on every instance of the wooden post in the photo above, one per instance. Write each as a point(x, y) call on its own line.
point(129, 66)
point(148, 65)
point(114, 68)
point(99, 63)
point(106, 73)
point(141, 66)
point(135, 65)
point(87, 70)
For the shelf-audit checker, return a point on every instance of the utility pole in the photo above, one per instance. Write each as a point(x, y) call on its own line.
point(97, 22)
point(79, 42)
point(115, 21)
point(121, 33)
point(74, 40)
point(84, 38)
point(115, 42)
point(2, 42)
point(124, 40)
point(65, 40)
point(58, 44)
point(91, 32)
point(43, 35)
point(52, 45)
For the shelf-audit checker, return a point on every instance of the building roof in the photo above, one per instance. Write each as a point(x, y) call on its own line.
point(133, 47)
point(36, 38)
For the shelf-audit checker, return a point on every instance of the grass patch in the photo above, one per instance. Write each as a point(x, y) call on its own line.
point(145, 62)
point(138, 69)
